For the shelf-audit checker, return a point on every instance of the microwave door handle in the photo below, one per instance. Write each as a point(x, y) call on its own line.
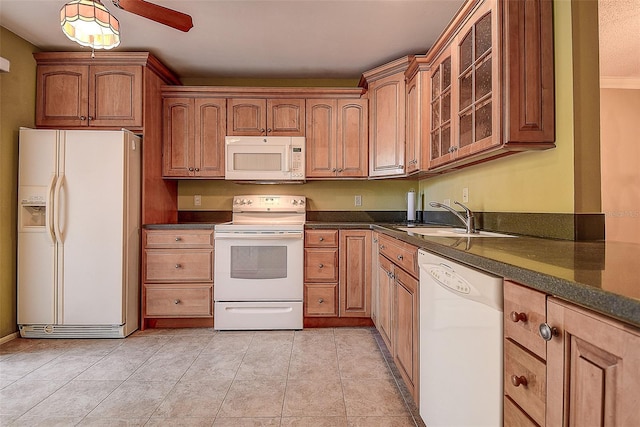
point(287, 158)
point(225, 236)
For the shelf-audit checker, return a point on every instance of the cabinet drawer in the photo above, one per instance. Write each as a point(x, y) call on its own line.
point(519, 365)
point(320, 300)
point(321, 265)
point(178, 265)
point(178, 239)
point(514, 417)
point(179, 301)
point(321, 238)
point(402, 254)
point(524, 311)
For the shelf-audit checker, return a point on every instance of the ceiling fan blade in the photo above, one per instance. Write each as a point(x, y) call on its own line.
point(172, 18)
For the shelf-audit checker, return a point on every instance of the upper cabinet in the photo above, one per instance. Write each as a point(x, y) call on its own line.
point(491, 89)
point(386, 88)
point(75, 90)
point(270, 117)
point(194, 131)
point(337, 138)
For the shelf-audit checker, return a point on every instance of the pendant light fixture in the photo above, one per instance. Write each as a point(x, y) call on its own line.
point(89, 23)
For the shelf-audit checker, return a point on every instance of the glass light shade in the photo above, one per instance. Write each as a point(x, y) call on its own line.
point(89, 23)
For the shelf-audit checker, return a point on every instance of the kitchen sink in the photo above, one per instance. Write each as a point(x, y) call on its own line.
point(449, 232)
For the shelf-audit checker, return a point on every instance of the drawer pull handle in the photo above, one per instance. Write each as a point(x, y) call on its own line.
point(178, 265)
point(320, 301)
point(547, 332)
point(400, 257)
point(321, 239)
point(518, 381)
point(518, 317)
point(321, 266)
point(176, 301)
point(178, 239)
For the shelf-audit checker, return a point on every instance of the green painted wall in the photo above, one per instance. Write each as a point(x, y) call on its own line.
point(534, 181)
point(17, 108)
point(380, 195)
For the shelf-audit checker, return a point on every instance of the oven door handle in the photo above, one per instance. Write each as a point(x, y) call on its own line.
point(258, 236)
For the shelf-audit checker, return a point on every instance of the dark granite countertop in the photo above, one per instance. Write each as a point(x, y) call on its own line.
point(181, 226)
point(601, 276)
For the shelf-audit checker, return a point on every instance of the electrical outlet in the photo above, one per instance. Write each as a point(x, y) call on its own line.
point(357, 200)
point(447, 202)
point(197, 200)
point(465, 195)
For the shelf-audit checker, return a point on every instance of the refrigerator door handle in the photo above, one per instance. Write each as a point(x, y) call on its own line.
point(49, 210)
point(56, 210)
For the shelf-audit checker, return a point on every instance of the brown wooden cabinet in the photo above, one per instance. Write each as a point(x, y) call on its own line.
point(355, 273)
point(586, 374)
point(336, 138)
point(321, 273)
point(75, 91)
point(593, 369)
point(524, 354)
point(398, 303)
point(270, 117)
point(417, 115)
point(177, 276)
point(337, 273)
point(193, 138)
point(387, 92)
point(501, 85)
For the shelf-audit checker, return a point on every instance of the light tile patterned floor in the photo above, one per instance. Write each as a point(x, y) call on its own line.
point(199, 377)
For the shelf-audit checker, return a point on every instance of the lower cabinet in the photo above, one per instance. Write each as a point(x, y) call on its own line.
point(593, 369)
point(398, 314)
point(177, 277)
point(337, 273)
point(586, 372)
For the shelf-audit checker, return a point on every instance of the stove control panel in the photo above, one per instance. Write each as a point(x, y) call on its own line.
point(269, 203)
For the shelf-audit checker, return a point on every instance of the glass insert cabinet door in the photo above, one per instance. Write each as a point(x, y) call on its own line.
point(476, 58)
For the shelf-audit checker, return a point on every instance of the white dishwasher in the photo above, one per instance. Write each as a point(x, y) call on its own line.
point(461, 337)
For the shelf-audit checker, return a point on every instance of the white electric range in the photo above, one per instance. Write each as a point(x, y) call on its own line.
point(258, 267)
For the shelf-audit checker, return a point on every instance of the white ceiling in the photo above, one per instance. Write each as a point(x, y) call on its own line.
point(301, 38)
point(619, 25)
point(259, 38)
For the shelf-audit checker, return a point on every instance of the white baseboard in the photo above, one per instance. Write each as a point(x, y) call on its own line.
point(9, 337)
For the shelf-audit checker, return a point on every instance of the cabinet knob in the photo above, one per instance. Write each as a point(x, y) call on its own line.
point(381, 247)
point(334, 170)
point(262, 130)
point(547, 332)
point(178, 238)
point(268, 130)
point(197, 169)
point(176, 301)
point(400, 257)
point(340, 170)
point(320, 301)
point(190, 169)
point(90, 118)
point(518, 381)
point(321, 239)
point(321, 266)
point(83, 118)
point(178, 265)
point(518, 317)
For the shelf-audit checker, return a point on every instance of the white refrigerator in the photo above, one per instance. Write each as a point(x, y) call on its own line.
point(78, 233)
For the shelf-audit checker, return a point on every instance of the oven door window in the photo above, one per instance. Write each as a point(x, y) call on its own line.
point(258, 262)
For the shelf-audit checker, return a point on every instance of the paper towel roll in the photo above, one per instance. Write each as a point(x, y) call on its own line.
point(411, 206)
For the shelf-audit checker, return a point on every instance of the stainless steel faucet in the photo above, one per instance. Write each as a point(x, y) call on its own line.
point(469, 220)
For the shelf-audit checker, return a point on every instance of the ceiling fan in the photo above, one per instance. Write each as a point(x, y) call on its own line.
point(172, 18)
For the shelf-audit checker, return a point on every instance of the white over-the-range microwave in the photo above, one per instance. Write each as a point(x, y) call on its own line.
point(265, 158)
